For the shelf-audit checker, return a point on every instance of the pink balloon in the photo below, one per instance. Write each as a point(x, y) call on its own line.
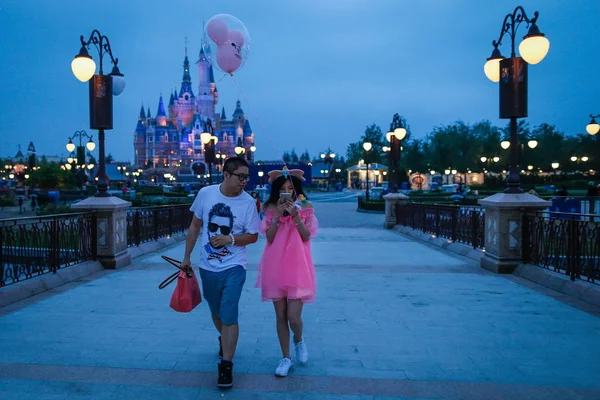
point(217, 31)
point(229, 58)
point(237, 38)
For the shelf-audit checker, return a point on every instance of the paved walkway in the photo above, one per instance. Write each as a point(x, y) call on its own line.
point(393, 319)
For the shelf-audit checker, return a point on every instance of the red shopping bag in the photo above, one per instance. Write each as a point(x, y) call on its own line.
point(186, 295)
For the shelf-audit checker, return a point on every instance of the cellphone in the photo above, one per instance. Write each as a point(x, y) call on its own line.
point(285, 196)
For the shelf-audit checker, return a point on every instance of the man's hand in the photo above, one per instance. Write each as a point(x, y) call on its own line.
point(219, 241)
point(186, 264)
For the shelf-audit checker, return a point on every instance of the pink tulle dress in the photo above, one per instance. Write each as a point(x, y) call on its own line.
point(286, 269)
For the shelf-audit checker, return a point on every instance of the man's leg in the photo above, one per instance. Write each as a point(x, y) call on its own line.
point(229, 310)
point(211, 289)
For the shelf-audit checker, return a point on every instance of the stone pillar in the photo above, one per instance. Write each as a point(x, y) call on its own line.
point(112, 229)
point(503, 219)
point(391, 199)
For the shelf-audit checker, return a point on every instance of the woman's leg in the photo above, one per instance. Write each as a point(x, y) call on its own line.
point(294, 316)
point(283, 332)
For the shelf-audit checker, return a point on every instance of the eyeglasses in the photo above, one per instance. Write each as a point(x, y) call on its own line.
point(225, 230)
point(241, 177)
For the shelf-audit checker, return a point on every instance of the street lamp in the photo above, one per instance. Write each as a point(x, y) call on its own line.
point(395, 136)
point(239, 148)
point(328, 158)
point(250, 155)
point(101, 89)
point(593, 127)
point(512, 75)
point(367, 146)
point(90, 145)
point(210, 141)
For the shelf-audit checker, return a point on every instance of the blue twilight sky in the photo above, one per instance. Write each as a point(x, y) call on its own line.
point(319, 71)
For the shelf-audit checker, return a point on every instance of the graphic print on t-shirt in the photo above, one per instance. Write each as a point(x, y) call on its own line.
point(220, 222)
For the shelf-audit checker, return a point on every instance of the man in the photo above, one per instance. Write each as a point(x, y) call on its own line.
point(229, 222)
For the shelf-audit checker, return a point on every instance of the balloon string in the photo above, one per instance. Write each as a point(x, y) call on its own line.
point(254, 116)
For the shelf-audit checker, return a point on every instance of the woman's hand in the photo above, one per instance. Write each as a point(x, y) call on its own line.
point(292, 209)
point(281, 208)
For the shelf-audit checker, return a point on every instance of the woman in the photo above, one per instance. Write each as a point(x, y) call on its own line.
point(286, 273)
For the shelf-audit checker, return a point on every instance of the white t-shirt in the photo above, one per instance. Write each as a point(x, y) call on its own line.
point(222, 215)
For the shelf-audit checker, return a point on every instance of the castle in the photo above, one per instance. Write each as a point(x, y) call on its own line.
point(172, 138)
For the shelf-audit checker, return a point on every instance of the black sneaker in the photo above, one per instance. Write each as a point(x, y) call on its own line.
point(220, 349)
point(225, 380)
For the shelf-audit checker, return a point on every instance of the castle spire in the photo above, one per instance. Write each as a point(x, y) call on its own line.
point(223, 117)
point(149, 115)
point(142, 112)
point(161, 108)
point(186, 84)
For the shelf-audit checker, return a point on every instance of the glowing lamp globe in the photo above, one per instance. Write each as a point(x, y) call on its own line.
point(400, 133)
point(253, 148)
point(573, 158)
point(367, 146)
point(215, 139)
point(535, 46)
point(70, 146)
point(593, 127)
point(388, 136)
point(584, 159)
point(483, 159)
point(90, 145)
point(205, 137)
point(496, 159)
point(555, 165)
point(532, 144)
point(505, 144)
point(83, 66)
point(492, 66)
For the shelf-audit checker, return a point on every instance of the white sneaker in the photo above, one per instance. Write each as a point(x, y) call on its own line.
point(284, 367)
point(301, 352)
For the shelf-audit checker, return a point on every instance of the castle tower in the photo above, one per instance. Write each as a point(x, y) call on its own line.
point(161, 115)
point(184, 103)
point(207, 90)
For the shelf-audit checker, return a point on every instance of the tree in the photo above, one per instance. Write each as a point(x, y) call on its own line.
point(354, 153)
point(373, 135)
point(109, 159)
point(413, 157)
point(286, 157)
point(305, 157)
point(294, 157)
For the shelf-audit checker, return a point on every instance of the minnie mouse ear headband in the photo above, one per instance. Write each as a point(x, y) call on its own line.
point(298, 173)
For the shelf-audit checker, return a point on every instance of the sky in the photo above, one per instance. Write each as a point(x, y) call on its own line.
point(318, 73)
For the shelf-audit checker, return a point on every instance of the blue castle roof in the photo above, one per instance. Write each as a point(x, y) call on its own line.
point(161, 108)
point(247, 129)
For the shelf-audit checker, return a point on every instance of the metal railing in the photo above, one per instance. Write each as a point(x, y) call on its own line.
point(35, 246)
point(145, 224)
point(564, 242)
point(458, 224)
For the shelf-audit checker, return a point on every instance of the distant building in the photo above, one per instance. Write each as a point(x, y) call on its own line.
point(171, 139)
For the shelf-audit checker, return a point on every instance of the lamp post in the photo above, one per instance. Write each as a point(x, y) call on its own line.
point(512, 75)
point(239, 148)
point(261, 174)
point(395, 136)
point(593, 127)
point(250, 156)
point(90, 145)
point(328, 158)
point(367, 146)
point(210, 141)
point(101, 88)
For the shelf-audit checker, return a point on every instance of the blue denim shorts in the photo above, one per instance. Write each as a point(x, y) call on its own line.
point(222, 291)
